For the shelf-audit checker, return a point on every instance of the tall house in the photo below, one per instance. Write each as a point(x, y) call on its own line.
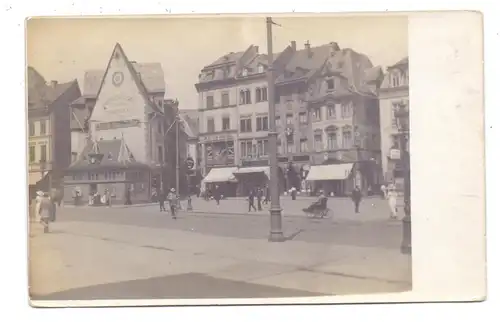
point(49, 144)
point(233, 118)
point(394, 94)
point(122, 110)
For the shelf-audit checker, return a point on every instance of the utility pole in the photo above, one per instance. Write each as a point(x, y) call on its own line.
point(276, 233)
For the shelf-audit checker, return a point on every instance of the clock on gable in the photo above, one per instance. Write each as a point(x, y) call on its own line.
point(117, 78)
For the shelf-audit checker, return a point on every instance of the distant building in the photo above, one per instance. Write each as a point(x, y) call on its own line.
point(123, 106)
point(49, 145)
point(192, 155)
point(394, 94)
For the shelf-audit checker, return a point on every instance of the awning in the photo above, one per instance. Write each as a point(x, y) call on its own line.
point(253, 170)
point(330, 172)
point(34, 177)
point(220, 175)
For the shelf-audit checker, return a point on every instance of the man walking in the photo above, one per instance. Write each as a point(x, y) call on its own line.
point(266, 193)
point(356, 198)
point(172, 200)
point(260, 194)
point(161, 200)
point(217, 195)
point(293, 192)
point(251, 198)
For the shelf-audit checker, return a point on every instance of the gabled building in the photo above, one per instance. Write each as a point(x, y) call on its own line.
point(344, 120)
point(126, 103)
point(49, 145)
point(394, 95)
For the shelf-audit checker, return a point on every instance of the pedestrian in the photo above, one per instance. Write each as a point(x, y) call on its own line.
point(266, 193)
point(260, 194)
point(173, 200)
point(392, 196)
point(44, 210)
point(356, 198)
point(383, 191)
point(161, 200)
point(217, 195)
point(293, 192)
point(251, 199)
point(128, 199)
point(53, 199)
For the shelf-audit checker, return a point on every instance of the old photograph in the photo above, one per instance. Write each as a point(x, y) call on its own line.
point(218, 157)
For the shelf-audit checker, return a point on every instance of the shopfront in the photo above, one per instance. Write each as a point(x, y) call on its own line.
point(333, 179)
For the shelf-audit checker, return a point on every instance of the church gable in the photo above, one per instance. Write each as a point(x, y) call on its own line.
point(121, 95)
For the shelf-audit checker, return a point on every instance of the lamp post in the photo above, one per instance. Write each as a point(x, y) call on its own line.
point(276, 233)
point(403, 117)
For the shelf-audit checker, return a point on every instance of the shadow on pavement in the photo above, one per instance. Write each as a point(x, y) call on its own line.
point(182, 286)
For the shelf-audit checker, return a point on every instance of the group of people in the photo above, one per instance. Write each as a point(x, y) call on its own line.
point(262, 196)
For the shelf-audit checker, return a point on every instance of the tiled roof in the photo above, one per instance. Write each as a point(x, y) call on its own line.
point(113, 152)
point(228, 58)
point(151, 75)
point(40, 94)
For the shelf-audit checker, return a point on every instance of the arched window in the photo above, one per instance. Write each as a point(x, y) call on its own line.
point(347, 137)
point(258, 95)
point(331, 137)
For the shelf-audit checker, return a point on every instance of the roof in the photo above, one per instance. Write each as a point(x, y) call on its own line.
point(402, 62)
point(115, 153)
point(42, 95)
point(189, 125)
point(229, 58)
point(135, 76)
point(79, 117)
point(151, 75)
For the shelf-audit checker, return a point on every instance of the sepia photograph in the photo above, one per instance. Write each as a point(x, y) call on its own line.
point(218, 157)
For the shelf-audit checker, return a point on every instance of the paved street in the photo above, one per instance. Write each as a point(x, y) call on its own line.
point(138, 252)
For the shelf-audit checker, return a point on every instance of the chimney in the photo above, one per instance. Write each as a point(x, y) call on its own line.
point(307, 46)
point(53, 83)
point(294, 45)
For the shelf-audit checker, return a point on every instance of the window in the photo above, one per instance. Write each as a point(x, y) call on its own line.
point(246, 149)
point(346, 110)
point(261, 94)
point(31, 129)
point(280, 147)
point(331, 111)
point(316, 114)
point(245, 72)
point(330, 83)
point(210, 125)
point(210, 101)
point(246, 124)
point(263, 91)
point(160, 154)
point(262, 148)
point(289, 119)
point(346, 138)
point(332, 140)
point(290, 147)
point(262, 123)
point(43, 153)
point(303, 145)
point(395, 142)
point(395, 107)
point(226, 123)
point(43, 127)
point(74, 156)
point(395, 80)
point(261, 69)
point(277, 120)
point(258, 97)
point(225, 99)
point(245, 97)
point(32, 154)
point(318, 142)
point(302, 118)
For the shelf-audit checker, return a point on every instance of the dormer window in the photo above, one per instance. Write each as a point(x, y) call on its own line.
point(245, 72)
point(261, 69)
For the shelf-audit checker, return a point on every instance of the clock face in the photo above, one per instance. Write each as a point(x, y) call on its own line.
point(117, 78)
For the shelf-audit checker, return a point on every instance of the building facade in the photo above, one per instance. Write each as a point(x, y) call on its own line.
point(124, 103)
point(234, 120)
point(49, 144)
point(393, 95)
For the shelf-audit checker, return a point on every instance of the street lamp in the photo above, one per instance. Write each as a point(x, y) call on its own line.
point(276, 233)
point(402, 115)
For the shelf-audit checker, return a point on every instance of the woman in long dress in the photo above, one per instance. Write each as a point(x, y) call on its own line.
point(392, 196)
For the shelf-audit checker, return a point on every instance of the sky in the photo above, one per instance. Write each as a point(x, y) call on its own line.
point(62, 48)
